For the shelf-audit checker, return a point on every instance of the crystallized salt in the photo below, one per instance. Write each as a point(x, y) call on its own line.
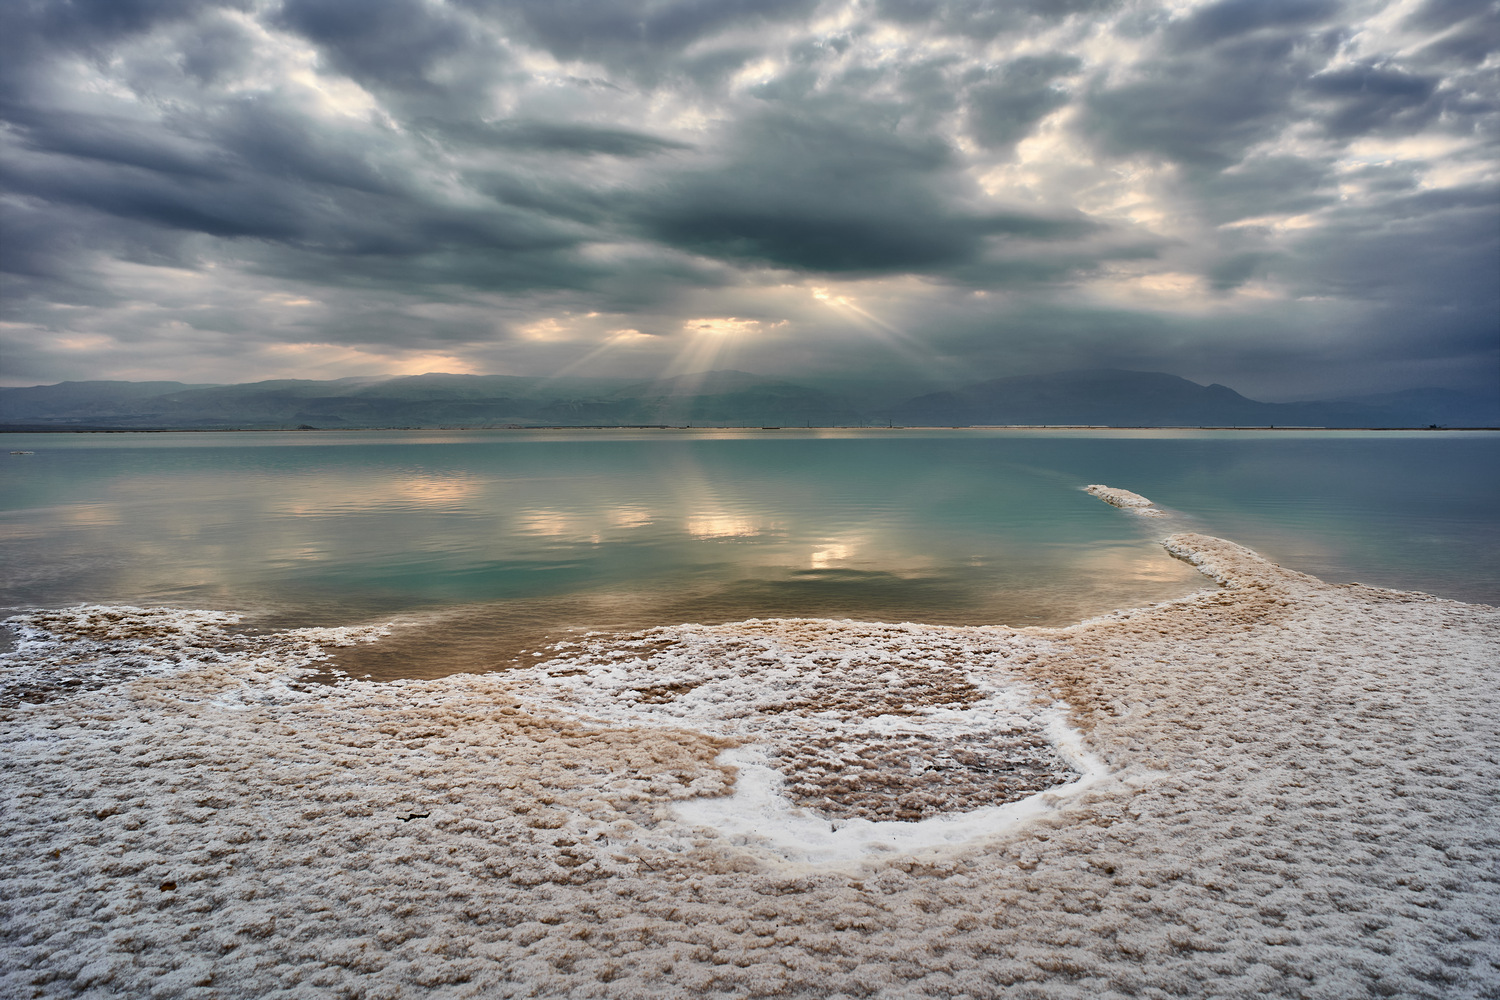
point(1133, 502)
point(1279, 787)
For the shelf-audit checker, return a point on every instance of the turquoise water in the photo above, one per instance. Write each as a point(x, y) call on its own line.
point(510, 536)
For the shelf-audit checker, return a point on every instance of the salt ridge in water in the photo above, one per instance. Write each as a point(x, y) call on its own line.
point(1299, 802)
point(1126, 500)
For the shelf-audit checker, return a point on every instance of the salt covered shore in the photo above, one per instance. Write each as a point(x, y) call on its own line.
point(1278, 787)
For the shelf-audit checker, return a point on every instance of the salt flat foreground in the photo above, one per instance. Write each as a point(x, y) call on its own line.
point(1288, 789)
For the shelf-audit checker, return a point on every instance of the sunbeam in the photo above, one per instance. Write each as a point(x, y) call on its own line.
point(617, 340)
point(711, 343)
point(896, 340)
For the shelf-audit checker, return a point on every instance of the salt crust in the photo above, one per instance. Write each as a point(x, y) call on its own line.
point(1133, 502)
point(759, 814)
point(859, 730)
point(1300, 801)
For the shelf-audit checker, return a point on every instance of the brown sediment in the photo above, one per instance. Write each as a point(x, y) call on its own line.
point(936, 684)
point(910, 777)
point(660, 694)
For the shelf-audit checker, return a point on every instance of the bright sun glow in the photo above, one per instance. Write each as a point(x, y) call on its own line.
point(711, 343)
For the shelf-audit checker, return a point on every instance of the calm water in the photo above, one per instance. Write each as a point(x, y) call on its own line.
point(504, 538)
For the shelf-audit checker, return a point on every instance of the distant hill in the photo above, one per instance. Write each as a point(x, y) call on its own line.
point(1119, 398)
point(75, 400)
point(1103, 396)
point(431, 400)
point(1108, 397)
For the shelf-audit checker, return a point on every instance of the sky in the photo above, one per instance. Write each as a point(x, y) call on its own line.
point(1296, 198)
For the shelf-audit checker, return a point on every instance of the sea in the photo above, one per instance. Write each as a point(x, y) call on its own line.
point(490, 545)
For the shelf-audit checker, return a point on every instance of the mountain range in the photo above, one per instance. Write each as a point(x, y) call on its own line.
point(1108, 397)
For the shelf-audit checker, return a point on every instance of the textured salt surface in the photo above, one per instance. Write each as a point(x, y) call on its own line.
point(761, 814)
point(859, 721)
point(1294, 795)
point(1126, 500)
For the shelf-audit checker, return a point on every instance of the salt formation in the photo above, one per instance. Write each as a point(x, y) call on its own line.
point(1133, 502)
point(1296, 797)
point(855, 737)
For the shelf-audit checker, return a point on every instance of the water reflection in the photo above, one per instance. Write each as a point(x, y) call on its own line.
point(630, 517)
point(830, 553)
point(514, 537)
point(725, 526)
point(341, 492)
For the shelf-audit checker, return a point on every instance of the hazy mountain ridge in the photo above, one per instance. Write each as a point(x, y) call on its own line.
point(1108, 397)
point(1156, 399)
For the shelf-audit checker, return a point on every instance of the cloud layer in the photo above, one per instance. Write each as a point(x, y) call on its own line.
point(1289, 196)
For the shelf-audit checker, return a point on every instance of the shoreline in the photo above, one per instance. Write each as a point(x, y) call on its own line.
point(1299, 799)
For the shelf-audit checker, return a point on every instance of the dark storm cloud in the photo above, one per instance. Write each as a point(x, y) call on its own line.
point(425, 174)
point(1270, 185)
point(1236, 18)
point(1234, 74)
point(393, 43)
point(985, 19)
point(94, 22)
point(1469, 30)
point(260, 168)
point(1233, 271)
point(1371, 98)
point(1206, 107)
point(1369, 255)
point(1437, 15)
point(217, 50)
point(824, 194)
point(353, 205)
point(640, 37)
point(523, 135)
point(48, 250)
point(252, 169)
point(1002, 112)
point(113, 141)
point(31, 32)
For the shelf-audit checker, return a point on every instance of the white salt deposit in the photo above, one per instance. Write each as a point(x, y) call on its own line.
point(851, 721)
point(1133, 502)
point(1275, 788)
point(759, 814)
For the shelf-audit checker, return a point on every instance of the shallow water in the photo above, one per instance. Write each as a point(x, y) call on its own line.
point(501, 541)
